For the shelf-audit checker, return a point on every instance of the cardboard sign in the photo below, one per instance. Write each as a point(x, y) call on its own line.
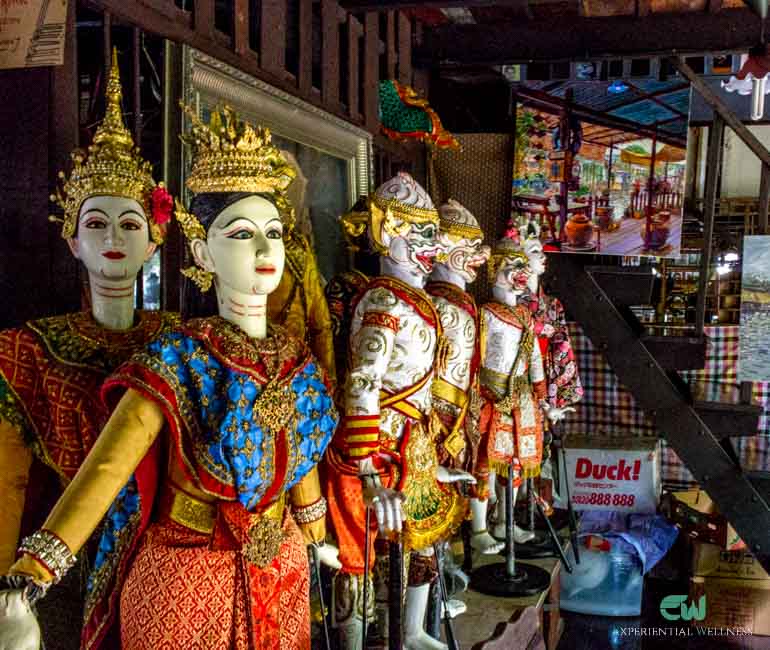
point(32, 32)
point(620, 474)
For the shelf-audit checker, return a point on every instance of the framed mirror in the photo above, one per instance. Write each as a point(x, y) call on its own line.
point(333, 156)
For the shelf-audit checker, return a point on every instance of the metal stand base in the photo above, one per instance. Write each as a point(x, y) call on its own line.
point(540, 546)
point(493, 580)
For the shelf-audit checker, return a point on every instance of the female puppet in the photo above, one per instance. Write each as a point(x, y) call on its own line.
point(208, 462)
point(51, 369)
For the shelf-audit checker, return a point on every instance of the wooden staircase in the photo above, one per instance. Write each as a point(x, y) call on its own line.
point(599, 297)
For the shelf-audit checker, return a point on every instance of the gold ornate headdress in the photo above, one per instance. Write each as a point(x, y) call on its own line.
point(112, 166)
point(457, 221)
point(230, 155)
point(401, 199)
point(505, 249)
point(354, 223)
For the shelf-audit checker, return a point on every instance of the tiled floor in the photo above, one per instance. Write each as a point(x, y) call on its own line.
point(608, 633)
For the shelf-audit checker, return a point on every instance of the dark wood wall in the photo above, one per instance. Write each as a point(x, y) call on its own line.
point(312, 49)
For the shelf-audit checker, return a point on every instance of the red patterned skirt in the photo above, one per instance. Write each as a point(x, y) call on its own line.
point(180, 594)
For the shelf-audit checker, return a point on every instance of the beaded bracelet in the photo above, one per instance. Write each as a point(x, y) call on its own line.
point(48, 549)
point(310, 513)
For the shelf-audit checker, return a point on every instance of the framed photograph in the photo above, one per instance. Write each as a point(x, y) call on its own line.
point(334, 157)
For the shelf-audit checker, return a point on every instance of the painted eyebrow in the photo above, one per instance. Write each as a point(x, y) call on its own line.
point(234, 219)
point(123, 214)
point(90, 210)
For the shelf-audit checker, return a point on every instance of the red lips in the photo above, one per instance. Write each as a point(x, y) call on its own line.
point(265, 270)
point(113, 255)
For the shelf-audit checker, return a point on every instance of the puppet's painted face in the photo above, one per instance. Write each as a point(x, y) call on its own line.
point(464, 256)
point(537, 259)
point(244, 247)
point(513, 274)
point(113, 238)
point(417, 249)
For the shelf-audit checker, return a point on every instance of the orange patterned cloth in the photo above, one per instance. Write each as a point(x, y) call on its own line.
point(347, 511)
point(180, 594)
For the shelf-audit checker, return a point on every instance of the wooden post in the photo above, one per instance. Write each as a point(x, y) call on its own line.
point(404, 49)
point(107, 43)
point(330, 58)
point(355, 30)
point(241, 26)
point(305, 72)
point(650, 190)
point(371, 70)
point(713, 164)
point(204, 17)
point(764, 197)
point(391, 56)
point(609, 168)
point(566, 137)
point(272, 57)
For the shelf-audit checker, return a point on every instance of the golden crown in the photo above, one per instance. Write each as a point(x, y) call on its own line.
point(230, 155)
point(111, 166)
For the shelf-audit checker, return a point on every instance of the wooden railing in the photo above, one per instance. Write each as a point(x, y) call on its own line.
point(312, 49)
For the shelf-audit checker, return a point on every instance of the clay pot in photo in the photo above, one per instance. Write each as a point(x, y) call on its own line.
point(604, 217)
point(579, 230)
point(658, 235)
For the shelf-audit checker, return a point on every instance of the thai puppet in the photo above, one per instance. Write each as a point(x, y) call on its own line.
point(562, 378)
point(51, 369)
point(563, 386)
point(456, 397)
point(341, 291)
point(298, 303)
point(512, 378)
point(207, 468)
point(384, 452)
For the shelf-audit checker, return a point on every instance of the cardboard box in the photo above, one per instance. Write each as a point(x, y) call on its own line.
point(733, 603)
point(712, 561)
point(695, 513)
point(620, 474)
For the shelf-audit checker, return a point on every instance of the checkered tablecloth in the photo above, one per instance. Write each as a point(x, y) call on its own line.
point(608, 409)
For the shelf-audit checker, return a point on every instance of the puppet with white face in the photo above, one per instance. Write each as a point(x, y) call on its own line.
point(113, 216)
point(385, 454)
point(512, 377)
point(456, 396)
point(213, 446)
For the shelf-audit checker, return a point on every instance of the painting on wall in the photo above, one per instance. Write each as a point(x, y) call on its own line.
point(591, 197)
point(754, 354)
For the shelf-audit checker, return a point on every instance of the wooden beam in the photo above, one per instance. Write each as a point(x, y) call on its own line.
point(718, 104)
point(564, 38)
point(713, 165)
point(764, 198)
point(387, 5)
